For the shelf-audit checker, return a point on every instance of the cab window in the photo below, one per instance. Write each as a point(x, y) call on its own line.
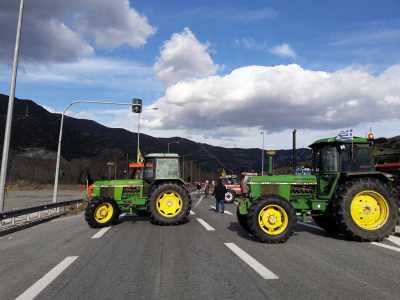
point(167, 168)
point(329, 159)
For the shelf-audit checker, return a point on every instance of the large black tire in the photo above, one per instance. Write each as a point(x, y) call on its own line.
point(161, 217)
point(230, 196)
point(242, 219)
point(342, 209)
point(90, 212)
point(257, 230)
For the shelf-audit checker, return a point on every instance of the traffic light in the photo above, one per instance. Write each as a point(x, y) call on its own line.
point(137, 106)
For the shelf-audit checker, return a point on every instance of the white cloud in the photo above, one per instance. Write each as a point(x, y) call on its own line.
point(114, 23)
point(278, 98)
point(88, 71)
point(183, 57)
point(55, 31)
point(284, 50)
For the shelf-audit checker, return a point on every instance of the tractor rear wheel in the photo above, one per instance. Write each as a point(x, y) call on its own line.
point(365, 209)
point(271, 219)
point(230, 196)
point(101, 212)
point(242, 219)
point(169, 204)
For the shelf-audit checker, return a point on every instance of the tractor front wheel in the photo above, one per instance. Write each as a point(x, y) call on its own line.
point(169, 204)
point(271, 219)
point(101, 212)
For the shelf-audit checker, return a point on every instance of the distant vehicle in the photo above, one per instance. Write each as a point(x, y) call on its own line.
point(235, 187)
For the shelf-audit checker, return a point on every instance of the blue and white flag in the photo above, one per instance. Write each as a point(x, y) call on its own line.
point(345, 135)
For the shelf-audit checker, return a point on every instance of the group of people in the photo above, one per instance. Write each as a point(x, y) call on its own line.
point(219, 192)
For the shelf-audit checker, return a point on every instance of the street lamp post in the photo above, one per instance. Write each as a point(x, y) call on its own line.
point(56, 176)
point(262, 153)
point(7, 133)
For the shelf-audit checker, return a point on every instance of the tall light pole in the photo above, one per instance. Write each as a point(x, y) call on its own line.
point(7, 133)
point(137, 108)
point(262, 153)
point(57, 172)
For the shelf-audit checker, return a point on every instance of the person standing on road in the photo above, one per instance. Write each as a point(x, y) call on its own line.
point(219, 193)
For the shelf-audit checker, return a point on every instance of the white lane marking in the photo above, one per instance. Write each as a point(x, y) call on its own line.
point(252, 262)
point(386, 246)
point(225, 211)
point(198, 202)
point(43, 282)
point(205, 224)
point(101, 232)
point(192, 213)
point(311, 226)
point(394, 239)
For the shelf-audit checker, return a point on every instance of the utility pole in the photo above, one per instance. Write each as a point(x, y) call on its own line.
point(7, 133)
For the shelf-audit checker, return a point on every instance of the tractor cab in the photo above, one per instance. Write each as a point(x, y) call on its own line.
point(333, 158)
point(161, 166)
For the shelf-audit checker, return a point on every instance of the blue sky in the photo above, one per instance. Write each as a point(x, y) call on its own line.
point(327, 36)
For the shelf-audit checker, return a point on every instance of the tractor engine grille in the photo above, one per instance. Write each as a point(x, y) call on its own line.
point(302, 189)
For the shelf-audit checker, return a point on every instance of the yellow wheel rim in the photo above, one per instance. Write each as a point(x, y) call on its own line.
point(273, 219)
point(169, 204)
point(103, 212)
point(369, 210)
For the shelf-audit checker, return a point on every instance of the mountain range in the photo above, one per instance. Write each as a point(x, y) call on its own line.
point(87, 146)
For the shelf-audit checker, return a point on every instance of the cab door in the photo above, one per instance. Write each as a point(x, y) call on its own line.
point(328, 171)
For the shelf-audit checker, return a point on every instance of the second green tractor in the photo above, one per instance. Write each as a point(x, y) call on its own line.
point(346, 195)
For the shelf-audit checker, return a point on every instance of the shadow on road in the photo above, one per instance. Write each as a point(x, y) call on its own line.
point(143, 217)
point(302, 228)
point(235, 227)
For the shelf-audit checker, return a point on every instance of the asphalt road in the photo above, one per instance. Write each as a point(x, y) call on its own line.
point(210, 257)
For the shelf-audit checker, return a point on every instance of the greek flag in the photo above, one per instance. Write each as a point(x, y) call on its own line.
point(345, 135)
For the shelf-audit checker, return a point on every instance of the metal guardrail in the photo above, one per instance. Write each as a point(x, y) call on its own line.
point(36, 213)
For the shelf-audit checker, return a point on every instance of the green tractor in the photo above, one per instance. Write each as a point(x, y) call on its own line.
point(159, 192)
point(345, 195)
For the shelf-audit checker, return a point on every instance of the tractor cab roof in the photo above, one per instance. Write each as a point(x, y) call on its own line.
point(335, 140)
point(162, 155)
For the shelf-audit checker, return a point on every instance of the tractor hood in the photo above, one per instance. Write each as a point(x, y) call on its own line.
point(284, 179)
point(119, 182)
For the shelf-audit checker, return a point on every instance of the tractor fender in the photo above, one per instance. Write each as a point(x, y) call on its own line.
point(385, 177)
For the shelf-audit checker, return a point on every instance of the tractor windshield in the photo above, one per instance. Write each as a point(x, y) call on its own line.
point(167, 168)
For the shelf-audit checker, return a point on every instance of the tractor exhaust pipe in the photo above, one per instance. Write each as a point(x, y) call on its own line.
point(294, 162)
